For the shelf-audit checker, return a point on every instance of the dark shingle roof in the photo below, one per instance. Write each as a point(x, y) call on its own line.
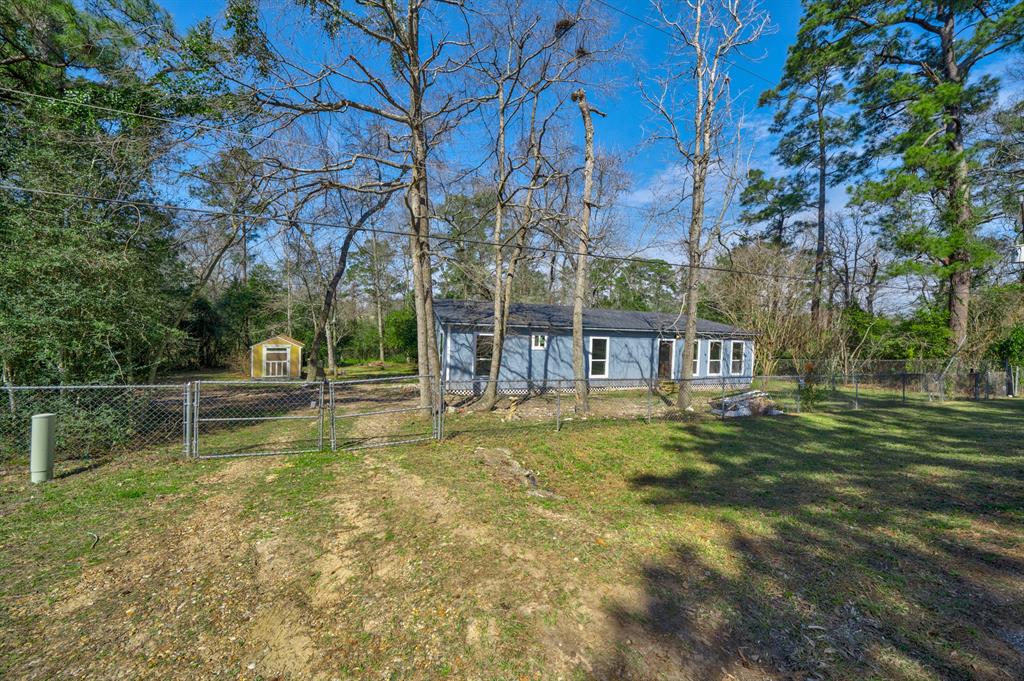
point(537, 316)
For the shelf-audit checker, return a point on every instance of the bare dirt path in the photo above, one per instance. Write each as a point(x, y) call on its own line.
point(397, 575)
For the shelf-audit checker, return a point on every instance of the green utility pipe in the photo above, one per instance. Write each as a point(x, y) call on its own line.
point(43, 435)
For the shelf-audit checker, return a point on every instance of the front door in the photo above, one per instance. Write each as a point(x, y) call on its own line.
point(665, 351)
point(276, 363)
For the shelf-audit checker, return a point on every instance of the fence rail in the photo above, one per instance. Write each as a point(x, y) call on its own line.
point(216, 418)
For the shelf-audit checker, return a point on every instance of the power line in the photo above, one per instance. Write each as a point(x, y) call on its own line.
point(163, 119)
point(444, 239)
point(730, 62)
point(662, 29)
point(209, 128)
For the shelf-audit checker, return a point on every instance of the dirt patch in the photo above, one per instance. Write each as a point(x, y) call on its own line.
point(288, 646)
point(510, 472)
point(339, 563)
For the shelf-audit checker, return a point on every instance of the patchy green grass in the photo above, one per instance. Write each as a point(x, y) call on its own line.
point(347, 370)
point(222, 374)
point(868, 544)
point(358, 370)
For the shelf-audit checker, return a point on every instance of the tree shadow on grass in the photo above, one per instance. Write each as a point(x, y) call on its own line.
point(874, 544)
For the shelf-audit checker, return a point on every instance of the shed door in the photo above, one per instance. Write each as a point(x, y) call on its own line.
point(665, 350)
point(275, 363)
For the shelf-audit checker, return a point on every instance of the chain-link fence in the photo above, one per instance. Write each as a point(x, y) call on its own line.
point(254, 418)
point(556, 403)
point(236, 418)
point(209, 419)
point(93, 419)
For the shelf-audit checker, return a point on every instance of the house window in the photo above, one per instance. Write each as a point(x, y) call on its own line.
point(736, 366)
point(695, 369)
point(715, 358)
point(599, 357)
point(538, 341)
point(484, 351)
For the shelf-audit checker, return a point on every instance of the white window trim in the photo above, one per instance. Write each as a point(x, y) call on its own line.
point(696, 359)
point(743, 358)
point(534, 346)
point(672, 369)
point(288, 362)
point(476, 341)
point(607, 358)
point(721, 357)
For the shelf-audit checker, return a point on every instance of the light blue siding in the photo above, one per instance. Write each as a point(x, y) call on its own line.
point(632, 355)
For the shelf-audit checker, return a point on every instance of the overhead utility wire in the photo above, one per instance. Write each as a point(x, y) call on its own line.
point(662, 29)
point(163, 119)
point(266, 138)
point(394, 232)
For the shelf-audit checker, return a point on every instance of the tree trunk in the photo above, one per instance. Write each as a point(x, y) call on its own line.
point(418, 202)
point(703, 117)
point(685, 397)
point(315, 370)
point(8, 384)
point(520, 246)
point(380, 330)
point(422, 362)
point(490, 396)
point(958, 197)
point(378, 294)
point(288, 296)
point(426, 342)
point(332, 365)
point(819, 251)
point(246, 321)
point(192, 298)
point(582, 253)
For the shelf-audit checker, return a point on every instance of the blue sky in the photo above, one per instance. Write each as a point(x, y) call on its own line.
point(624, 128)
point(627, 124)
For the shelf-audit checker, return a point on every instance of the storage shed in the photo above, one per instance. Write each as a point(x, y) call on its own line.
point(279, 357)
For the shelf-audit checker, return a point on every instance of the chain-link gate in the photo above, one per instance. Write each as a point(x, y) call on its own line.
point(261, 418)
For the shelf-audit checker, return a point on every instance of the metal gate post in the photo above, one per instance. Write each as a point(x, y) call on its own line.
point(195, 420)
point(650, 396)
point(186, 420)
point(433, 408)
point(320, 420)
point(723, 399)
point(334, 433)
point(558, 406)
point(440, 408)
point(904, 380)
point(856, 391)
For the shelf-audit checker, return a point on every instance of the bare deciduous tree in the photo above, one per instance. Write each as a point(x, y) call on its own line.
point(411, 98)
point(706, 35)
point(773, 299)
point(527, 61)
point(582, 252)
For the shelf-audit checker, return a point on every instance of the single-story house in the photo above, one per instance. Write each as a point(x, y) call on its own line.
point(622, 348)
point(277, 357)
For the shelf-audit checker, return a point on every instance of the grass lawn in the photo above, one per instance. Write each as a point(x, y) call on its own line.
point(347, 370)
point(869, 544)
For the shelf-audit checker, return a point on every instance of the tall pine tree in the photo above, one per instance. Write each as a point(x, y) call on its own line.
point(815, 140)
point(917, 69)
